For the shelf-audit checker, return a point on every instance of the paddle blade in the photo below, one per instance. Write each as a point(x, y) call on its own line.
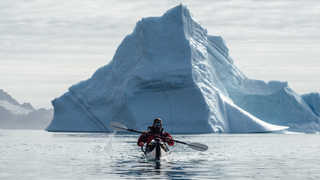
point(198, 146)
point(118, 126)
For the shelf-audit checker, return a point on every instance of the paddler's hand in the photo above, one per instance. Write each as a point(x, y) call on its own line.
point(141, 143)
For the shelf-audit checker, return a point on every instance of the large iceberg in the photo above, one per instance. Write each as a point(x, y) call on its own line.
point(169, 67)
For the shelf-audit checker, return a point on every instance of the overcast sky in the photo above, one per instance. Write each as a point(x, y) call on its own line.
point(48, 45)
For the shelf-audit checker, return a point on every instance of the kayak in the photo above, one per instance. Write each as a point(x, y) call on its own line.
point(155, 150)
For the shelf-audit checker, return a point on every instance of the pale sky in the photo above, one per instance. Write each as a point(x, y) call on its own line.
point(48, 45)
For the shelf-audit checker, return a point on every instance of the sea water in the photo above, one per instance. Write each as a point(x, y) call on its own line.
point(41, 155)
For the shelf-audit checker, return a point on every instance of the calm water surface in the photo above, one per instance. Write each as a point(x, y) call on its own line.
point(41, 155)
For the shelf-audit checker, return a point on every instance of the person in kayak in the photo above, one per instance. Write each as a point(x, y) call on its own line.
point(155, 131)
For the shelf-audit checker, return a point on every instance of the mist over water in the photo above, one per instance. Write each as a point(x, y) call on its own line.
point(26, 154)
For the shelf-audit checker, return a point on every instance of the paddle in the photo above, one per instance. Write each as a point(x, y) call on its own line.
point(196, 146)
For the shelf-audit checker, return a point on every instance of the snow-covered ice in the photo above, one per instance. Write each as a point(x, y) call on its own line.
point(169, 67)
point(14, 115)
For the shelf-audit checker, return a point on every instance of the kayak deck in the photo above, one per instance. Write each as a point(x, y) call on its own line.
point(152, 155)
point(155, 151)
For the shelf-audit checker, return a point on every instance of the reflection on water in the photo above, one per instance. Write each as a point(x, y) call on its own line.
point(43, 155)
point(139, 167)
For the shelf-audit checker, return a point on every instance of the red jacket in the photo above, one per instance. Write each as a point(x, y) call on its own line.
point(147, 137)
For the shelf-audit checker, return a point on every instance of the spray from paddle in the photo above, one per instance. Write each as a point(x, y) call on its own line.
point(108, 147)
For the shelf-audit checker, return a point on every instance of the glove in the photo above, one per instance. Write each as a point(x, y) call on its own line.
point(170, 142)
point(141, 144)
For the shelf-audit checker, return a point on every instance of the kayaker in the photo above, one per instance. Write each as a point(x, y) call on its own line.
point(155, 131)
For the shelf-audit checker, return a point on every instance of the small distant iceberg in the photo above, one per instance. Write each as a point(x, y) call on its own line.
point(14, 115)
point(169, 67)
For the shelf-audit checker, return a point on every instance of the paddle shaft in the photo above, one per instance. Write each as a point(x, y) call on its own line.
point(136, 131)
point(131, 130)
point(181, 142)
